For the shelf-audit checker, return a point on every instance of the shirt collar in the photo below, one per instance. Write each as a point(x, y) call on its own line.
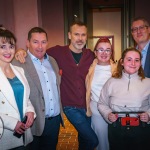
point(145, 49)
point(129, 76)
point(35, 58)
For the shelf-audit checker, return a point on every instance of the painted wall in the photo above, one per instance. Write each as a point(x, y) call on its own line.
point(20, 16)
point(53, 21)
point(142, 8)
point(108, 24)
point(7, 17)
point(25, 17)
point(44, 13)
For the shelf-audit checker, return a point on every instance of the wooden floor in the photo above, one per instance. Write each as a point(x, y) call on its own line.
point(67, 137)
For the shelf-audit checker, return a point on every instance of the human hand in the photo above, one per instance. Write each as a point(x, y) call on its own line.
point(20, 55)
point(20, 127)
point(30, 119)
point(112, 117)
point(144, 117)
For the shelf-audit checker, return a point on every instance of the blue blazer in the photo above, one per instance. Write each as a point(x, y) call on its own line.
point(147, 63)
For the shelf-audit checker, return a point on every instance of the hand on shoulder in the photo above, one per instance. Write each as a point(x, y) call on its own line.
point(20, 55)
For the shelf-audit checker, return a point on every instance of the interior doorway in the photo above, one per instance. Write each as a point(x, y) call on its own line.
point(108, 24)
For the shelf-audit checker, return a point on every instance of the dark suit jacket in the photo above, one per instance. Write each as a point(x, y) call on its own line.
point(36, 93)
point(147, 63)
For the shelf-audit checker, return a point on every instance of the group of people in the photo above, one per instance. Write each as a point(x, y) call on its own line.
point(88, 87)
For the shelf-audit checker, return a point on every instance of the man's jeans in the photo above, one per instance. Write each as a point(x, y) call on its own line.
point(86, 136)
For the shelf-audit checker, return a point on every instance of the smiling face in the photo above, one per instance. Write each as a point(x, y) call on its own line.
point(131, 62)
point(78, 37)
point(140, 31)
point(7, 51)
point(103, 53)
point(37, 45)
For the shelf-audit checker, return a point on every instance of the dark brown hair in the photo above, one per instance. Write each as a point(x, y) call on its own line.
point(36, 30)
point(7, 36)
point(118, 73)
point(79, 23)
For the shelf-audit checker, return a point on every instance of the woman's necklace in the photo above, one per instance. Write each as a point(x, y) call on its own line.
point(76, 57)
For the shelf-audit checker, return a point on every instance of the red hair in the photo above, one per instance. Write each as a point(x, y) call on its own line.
point(105, 40)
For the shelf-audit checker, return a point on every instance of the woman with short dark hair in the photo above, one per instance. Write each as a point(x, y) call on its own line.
point(16, 110)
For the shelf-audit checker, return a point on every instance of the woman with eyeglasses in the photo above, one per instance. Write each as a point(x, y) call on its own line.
point(125, 104)
point(16, 111)
point(99, 72)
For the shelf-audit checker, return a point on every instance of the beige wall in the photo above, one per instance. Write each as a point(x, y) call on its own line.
point(108, 24)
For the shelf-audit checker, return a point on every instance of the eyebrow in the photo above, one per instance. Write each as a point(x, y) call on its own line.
point(132, 58)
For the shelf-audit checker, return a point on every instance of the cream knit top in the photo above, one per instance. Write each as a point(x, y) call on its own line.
point(125, 95)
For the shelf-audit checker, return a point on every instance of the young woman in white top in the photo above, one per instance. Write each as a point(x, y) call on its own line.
point(100, 71)
point(128, 94)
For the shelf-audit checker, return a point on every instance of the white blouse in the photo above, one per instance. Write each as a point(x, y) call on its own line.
point(101, 75)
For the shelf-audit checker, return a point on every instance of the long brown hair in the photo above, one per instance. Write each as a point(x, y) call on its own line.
point(118, 73)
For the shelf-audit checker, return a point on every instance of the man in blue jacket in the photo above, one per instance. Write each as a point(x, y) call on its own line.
point(141, 34)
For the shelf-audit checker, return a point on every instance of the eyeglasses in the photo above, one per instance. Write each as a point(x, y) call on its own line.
point(141, 28)
point(107, 51)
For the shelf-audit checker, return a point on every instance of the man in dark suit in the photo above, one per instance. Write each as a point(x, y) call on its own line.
point(141, 34)
point(42, 73)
